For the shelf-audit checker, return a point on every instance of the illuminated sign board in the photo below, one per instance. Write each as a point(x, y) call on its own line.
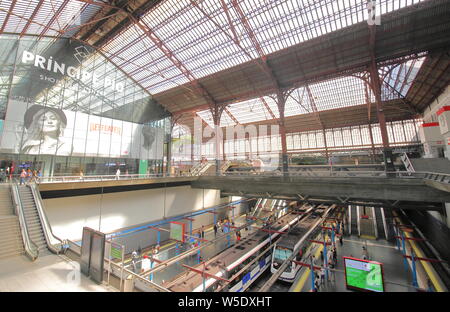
point(363, 275)
point(35, 129)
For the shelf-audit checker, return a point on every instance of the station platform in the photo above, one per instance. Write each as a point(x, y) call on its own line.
point(396, 277)
point(170, 249)
point(49, 273)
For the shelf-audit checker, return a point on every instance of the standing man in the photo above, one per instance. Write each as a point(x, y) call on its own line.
point(117, 173)
point(203, 232)
point(215, 229)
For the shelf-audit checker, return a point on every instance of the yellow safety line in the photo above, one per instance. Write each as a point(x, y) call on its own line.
point(426, 265)
point(299, 286)
point(368, 237)
point(304, 277)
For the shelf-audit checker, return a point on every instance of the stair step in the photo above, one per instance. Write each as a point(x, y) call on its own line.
point(11, 245)
point(9, 230)
point(11, 255)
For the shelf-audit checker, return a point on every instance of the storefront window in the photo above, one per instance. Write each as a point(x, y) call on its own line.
point(66, 108)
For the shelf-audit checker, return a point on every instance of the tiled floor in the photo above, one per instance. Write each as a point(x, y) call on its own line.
point(397, 278)
point(47, 274)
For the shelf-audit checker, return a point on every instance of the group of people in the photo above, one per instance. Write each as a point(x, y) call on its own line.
point(6, 174)
point(142, 263)
point(29, 176)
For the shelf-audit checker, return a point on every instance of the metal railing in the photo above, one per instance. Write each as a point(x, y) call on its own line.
point(407, 162)
point(46, 227)
point(435, 176)
point(31, 249)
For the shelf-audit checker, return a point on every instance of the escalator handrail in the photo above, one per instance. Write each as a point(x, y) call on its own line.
point(46, 228)
point(31, 249)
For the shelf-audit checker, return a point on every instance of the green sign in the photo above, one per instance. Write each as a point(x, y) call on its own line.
point(177, 231)
point(116, 252)
point(143, 166)
point(364, 275)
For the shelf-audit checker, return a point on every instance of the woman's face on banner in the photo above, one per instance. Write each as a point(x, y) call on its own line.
point(49, 122)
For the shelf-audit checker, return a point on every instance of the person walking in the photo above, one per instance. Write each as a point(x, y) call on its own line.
point(29, 175)
point(215, 229)
point(317, 283)
point(322, 276)
point(117, 173)
point(334, 255)
point(321, 256)
point(203, 232)
point(332, 272)
point(340, 240)
point(23, 176)
point(365, 254)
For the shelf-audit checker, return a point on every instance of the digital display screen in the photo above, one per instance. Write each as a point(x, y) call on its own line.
point(363, 275)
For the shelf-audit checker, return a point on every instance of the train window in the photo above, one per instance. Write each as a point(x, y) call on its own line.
point(282, 253)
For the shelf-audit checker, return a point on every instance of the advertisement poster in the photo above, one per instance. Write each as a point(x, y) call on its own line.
point(38, 130)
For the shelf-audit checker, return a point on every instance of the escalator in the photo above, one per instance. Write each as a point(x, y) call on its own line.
point(38, 228)
point(353, 220)
point(366, 222)
point(389, 219)
point(32, 220)
point(380, 222)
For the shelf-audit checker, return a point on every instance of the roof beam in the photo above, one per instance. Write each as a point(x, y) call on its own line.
point(41, 2)
point(54, 17)
point(230, 21)
point(263, 100)
point(267, 69)
point(11, 8)
point(231, 116)
point(198, 88)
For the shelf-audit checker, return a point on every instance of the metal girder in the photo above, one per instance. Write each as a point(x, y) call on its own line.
point(54, 17)
point(376, 87)
point(36, 9)
point(313, 105)
point(403, 99)
point(198, 88)
point(267, 69)
point(317, 116)
point(231, 116)
point(11, 8)
point(230, 22)
point(263, 100)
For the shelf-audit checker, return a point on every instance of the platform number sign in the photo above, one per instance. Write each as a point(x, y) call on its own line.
point(363, 275)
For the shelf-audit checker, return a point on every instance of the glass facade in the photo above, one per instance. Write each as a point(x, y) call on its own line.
point(64, 107)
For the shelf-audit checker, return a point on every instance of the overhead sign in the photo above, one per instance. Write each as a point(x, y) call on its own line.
point(363, 275)
point(77, 72)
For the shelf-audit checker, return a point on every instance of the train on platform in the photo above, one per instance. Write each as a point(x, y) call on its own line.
point(238, 262)
point(295, 239)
